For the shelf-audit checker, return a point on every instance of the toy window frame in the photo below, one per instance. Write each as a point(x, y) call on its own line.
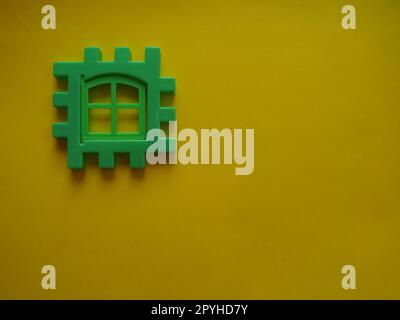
point(113, 81)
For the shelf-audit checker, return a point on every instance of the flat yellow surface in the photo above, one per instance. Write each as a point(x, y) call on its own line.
point(325, 106)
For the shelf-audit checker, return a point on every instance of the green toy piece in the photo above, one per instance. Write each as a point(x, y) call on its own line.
point(143, 76)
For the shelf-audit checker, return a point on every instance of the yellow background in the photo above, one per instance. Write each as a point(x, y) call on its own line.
point(324, 103)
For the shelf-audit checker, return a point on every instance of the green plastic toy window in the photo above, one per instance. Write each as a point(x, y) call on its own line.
point(118, 105)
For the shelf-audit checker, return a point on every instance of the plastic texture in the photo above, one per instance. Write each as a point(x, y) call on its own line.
point(142, 76)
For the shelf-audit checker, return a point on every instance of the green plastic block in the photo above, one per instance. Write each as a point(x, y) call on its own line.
point(82, 77)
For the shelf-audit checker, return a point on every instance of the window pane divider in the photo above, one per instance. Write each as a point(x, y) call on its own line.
point(113, 109)
point(129, 106)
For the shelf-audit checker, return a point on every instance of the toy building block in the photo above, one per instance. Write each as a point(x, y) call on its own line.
point(82, 77)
